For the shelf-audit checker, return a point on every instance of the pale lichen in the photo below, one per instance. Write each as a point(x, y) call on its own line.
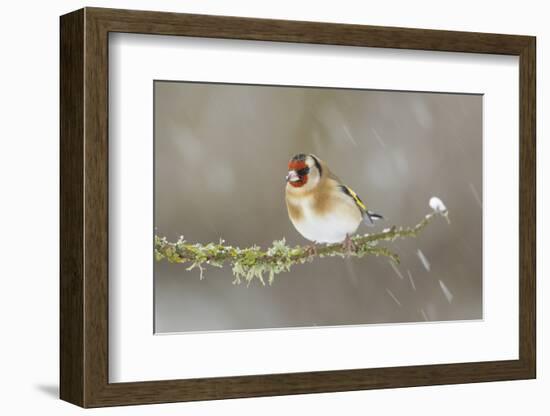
point(253, 262)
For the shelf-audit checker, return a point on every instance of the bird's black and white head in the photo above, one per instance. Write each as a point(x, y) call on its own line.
point(304, 172)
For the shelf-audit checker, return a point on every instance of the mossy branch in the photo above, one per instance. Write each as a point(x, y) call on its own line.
point(253, 262)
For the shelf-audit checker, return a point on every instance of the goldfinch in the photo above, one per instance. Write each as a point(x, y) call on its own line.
point(321, 208)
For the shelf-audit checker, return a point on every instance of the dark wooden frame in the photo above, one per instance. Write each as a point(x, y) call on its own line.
point(84, 207)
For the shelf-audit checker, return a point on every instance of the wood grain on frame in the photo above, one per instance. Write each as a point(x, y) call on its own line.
point(84, 207)
point(71, 219)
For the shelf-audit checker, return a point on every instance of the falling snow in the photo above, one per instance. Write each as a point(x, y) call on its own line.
point(349, 136)
point(392, 176)
point(446, 292)
point(393, 297)
point(378, 138)
point(396, 270)
point(411, 279)
point(424, 315)
point(423, 259)
point(475, 194)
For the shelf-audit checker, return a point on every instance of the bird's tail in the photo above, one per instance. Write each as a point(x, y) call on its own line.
point(370, 217)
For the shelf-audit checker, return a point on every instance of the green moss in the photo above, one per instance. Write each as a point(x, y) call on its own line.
point(254, 263)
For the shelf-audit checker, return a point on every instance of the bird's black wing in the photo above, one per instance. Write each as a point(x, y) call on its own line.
point(368, 216)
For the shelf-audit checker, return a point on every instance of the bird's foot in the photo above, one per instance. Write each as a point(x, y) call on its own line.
point(311, 250)
point(349, 245)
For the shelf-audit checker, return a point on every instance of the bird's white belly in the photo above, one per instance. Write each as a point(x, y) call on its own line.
point(327, 228)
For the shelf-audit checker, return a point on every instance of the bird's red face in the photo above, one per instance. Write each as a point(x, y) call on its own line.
point(298, 171)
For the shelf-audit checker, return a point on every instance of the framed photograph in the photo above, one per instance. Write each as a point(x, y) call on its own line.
point(255, 207)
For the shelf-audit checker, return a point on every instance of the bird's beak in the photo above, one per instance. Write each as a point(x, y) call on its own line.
point(292, 176)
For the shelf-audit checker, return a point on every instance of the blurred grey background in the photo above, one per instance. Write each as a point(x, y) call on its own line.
point(221, 154)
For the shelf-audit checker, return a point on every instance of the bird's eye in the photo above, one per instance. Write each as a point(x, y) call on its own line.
point(303, 172)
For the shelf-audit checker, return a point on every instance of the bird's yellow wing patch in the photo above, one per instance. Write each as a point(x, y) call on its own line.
point(355, 197)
